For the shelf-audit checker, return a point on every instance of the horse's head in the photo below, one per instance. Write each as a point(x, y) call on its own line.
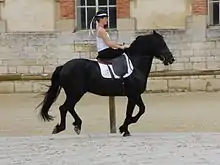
point(152, 45)
point(161, 50)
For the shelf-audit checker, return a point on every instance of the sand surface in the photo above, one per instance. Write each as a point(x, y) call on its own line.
point(141, 149)
point(171, 112)
point(177, 129)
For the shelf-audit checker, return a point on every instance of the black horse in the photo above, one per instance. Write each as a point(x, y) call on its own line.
point(79, 76)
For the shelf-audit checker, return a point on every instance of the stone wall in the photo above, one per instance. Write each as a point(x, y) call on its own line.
point(40, 53)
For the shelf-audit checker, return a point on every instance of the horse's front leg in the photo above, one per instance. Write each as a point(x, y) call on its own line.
point(129, 111)
point(141, 111)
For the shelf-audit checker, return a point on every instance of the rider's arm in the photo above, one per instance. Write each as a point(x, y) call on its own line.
point(102, 34)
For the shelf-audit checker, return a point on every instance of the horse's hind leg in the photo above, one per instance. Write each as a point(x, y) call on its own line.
point(69, 105)
point(63, 110)
point(78, 122)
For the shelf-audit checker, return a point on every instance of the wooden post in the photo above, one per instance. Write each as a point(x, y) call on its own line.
point(112, 114)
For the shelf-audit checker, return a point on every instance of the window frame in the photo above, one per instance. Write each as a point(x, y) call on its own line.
point(97, 6)
point(210, 13)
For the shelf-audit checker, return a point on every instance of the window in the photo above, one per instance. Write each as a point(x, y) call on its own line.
point(214, 12)
point(86, 9)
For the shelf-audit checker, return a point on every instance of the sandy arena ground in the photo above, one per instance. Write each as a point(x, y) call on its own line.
point(169, 133)
point(174, 112)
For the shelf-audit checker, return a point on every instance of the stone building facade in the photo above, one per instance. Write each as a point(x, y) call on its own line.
point(41, 37)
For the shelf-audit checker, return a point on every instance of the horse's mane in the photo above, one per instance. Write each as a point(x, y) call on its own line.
point(138, 41)
point(140, 38)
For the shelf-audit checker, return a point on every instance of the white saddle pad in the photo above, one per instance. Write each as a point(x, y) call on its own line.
point(106, 73)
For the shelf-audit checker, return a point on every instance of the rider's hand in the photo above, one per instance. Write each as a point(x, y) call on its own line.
point(122, 47)
point(126, 46)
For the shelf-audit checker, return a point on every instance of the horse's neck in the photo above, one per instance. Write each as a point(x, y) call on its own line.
point(138, 53)
point(142, 64)
point(140, 60)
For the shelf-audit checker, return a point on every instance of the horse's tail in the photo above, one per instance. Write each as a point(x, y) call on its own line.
point(51, 95)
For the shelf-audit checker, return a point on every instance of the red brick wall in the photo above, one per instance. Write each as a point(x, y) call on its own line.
point(123, 8)
point(199, 7)
point(67, 9)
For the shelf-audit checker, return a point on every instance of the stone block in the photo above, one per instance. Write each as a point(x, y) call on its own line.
point(183, 46)
point(188, 66)
point(47, 61)
point(177, 66)
point(197, 85)
point(84, 47)
point(202, 53)
point(84, 55)
point(205, 77)
point(213, 85)
point(36, 69)
point(173, 46)
point(6, 87)
point(93, 55)
point(28, 51)
point(203, 45)
point(199, 66)
point(153, 67)
point(213, 65)
point(176, 53)
point(217, 44)
point(162, 67)
point(62, 61)
point(40, 86)
point(3, 69)
point(182, 60)
point(178, 85)
point(23, 86)
point(19, 62)
point(187, 53)
point(156, 61)
point(66, 51)
point(215, 52)
point(210, 59)
point(216, 58)
point(157, 85)
point(12, 69)
point(197, 59)
point(22, 69)
point(125, 36)
point(49, 69)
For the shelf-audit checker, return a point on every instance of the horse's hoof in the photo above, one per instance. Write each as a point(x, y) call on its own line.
point(55, 130)
point(58, 129)
point(126, 134)
point(77, 130)
point(121, 129)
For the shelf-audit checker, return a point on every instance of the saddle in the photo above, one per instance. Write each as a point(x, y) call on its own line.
point(119, 65)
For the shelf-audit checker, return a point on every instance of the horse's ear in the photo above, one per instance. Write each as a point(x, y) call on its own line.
point(154, 32)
